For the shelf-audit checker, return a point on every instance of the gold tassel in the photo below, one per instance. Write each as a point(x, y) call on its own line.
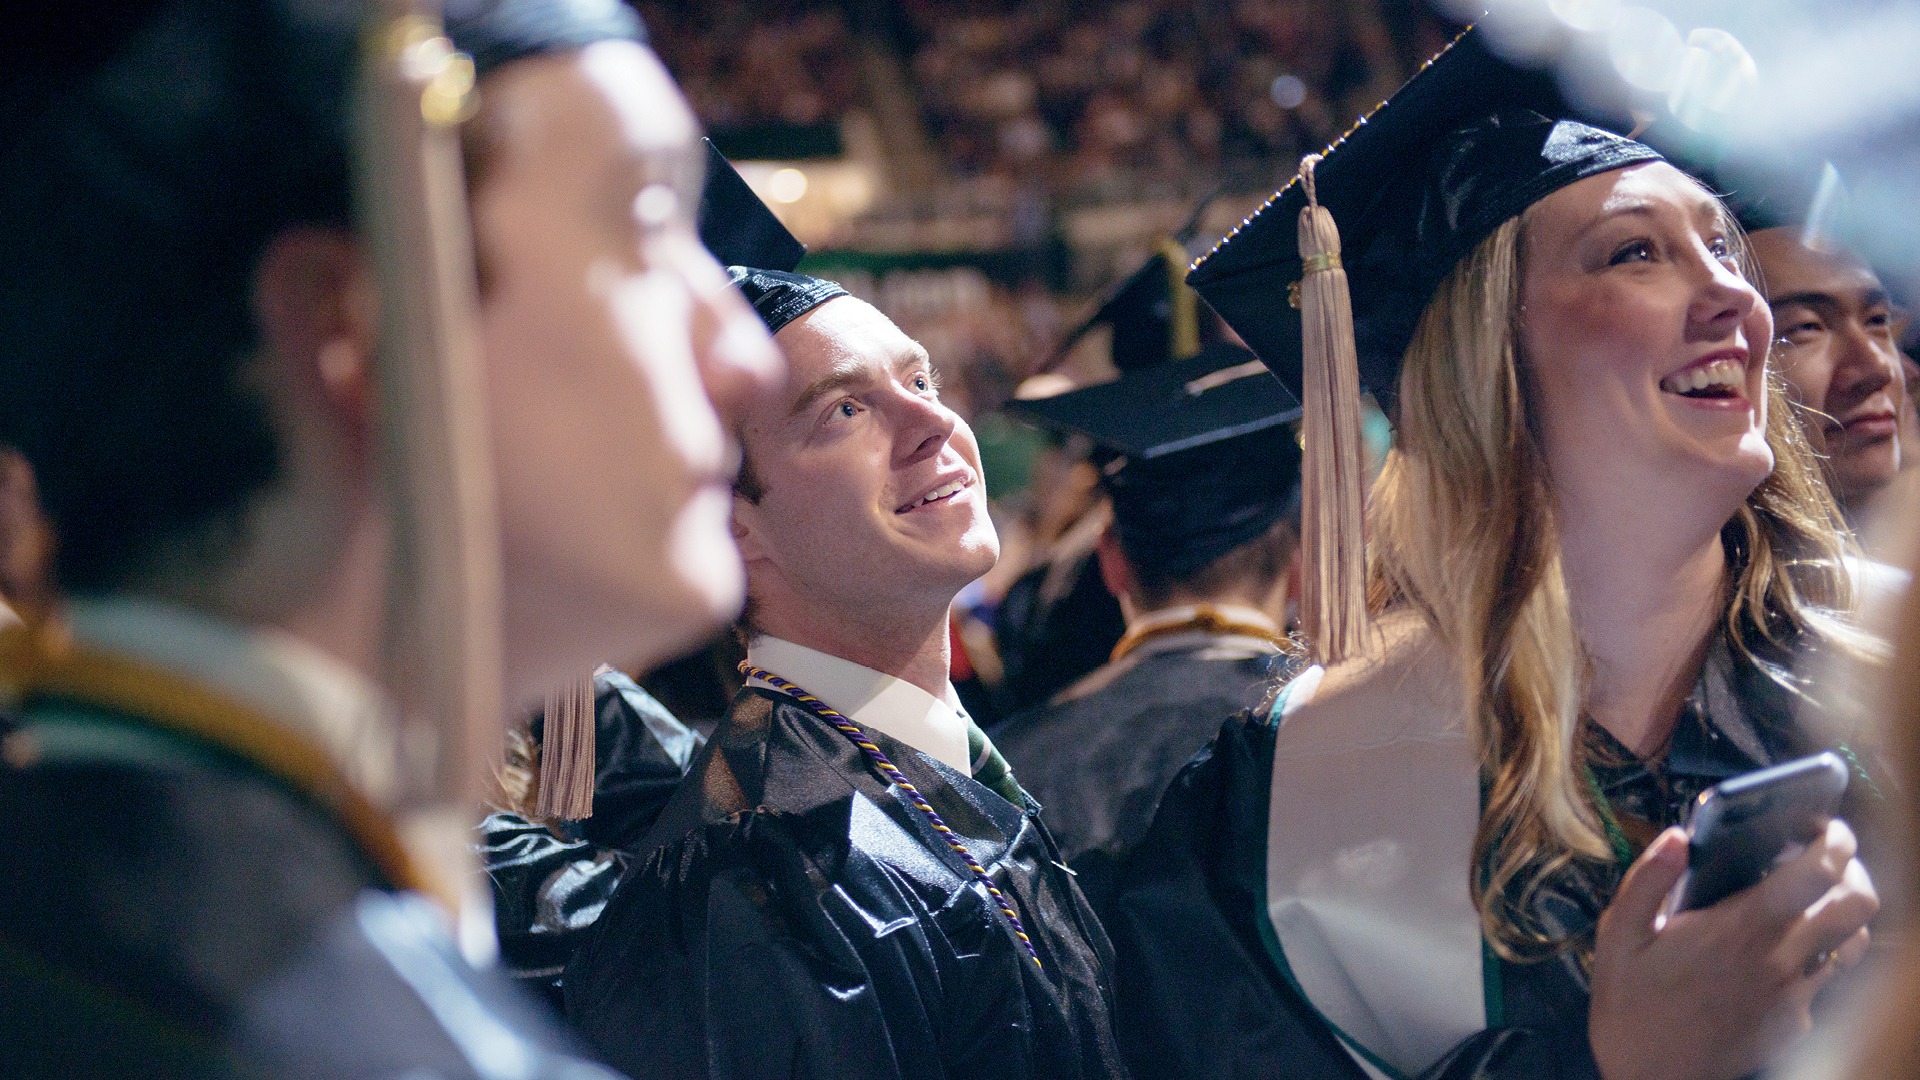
point(444, 642)
point(1183, 314)
point(1333, 605)
point(566, 754)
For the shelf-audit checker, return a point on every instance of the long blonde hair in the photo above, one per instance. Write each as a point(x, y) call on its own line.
point(1462, 532)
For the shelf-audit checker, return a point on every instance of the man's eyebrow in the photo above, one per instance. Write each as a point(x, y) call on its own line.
point(844, 374)
point(909, 359)
point(1814, 298)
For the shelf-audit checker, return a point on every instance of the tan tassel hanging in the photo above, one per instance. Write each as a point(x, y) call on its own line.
point(444, 644)
point(1333, 587)
point(566, 753)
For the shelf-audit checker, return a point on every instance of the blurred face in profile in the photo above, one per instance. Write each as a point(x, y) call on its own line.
point(1835, 329)
point(618, 359)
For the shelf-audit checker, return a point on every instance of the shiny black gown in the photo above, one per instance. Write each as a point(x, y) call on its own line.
point(547, 888)
point(1098, 762)
point(172, 909)
point(1200, 994)
point(794, 917)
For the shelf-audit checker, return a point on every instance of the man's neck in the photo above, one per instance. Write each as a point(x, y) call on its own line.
point(333, 601)
point(1645, 601)
point(916, 651)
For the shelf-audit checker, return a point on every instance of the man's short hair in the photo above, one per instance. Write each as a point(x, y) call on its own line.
point(1253, 567)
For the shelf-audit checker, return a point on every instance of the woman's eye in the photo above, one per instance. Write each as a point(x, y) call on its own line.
point(1721, 247)
point(1638, 251)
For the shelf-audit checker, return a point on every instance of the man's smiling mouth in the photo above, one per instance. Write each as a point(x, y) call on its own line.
point(945, 491)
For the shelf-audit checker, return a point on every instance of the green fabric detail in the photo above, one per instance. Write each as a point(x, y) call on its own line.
point(1616, 838)
point(59, 1018)
point(1860, 773)
point(57, 732)
point(990, 768)
point(1279, 955)
point(1492, 986)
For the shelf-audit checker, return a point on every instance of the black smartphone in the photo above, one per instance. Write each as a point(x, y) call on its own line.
point(1741, 828)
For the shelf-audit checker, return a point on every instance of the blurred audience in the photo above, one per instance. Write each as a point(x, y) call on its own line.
point(752, 65)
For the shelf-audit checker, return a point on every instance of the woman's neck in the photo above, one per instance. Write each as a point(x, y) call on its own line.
point(1645, 602)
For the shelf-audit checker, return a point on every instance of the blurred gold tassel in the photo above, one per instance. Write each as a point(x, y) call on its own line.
point(1333, 605)
point(567, 754)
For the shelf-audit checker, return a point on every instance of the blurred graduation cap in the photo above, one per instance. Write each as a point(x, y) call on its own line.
point(1198, 458)
point(758, 251)
point(1327, 280)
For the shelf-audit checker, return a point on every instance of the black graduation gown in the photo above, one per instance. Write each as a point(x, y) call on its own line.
point(1200, 994)
point(794, 917)
point(1099, 758)
point(547, 889)
point(171, 908)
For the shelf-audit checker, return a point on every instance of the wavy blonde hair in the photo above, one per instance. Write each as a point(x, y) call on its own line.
point(1458, 534)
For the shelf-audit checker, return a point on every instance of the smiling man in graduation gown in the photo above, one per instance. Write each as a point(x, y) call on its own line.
point(222, 814)
point(851, 884)
point(1203, 472)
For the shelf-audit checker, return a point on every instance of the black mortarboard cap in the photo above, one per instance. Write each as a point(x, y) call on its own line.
point(1199, 455)
point(1469, 142)
point(496, 32)
point(737, 227)
point(757, 250)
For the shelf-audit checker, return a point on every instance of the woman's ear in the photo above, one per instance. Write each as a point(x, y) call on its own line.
point(318, 314)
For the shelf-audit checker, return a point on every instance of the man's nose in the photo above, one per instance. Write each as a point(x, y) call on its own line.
point(924, 426)
point(1865, 362)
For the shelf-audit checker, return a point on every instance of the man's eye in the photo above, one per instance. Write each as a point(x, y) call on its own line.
point(847, 409)
point(1798, 333)
point(1637, 251)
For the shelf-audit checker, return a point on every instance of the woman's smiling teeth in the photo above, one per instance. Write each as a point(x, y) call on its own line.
point(941, 492)
point(1715, 379)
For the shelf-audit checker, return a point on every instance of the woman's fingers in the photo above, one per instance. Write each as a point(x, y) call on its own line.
point(1802, 881)
point(1812, 945)
point(1627, 923)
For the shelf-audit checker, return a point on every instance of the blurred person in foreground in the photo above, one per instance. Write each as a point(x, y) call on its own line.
point(851, 883)
point(26, 544)
point(217, 842)
point(1594, 568)
point(1201, 467)
point(588, 775)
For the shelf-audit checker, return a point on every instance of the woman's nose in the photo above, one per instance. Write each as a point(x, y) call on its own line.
point(1723, 297)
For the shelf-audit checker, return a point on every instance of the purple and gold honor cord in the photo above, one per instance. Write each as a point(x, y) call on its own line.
point(893, 775)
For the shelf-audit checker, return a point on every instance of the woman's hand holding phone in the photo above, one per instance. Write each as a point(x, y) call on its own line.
point(1716, 992)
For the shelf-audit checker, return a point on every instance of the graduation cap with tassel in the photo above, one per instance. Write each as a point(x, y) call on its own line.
point(1192, 439)
point(1327, 280)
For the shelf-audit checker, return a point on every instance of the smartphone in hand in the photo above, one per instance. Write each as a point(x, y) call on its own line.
point(1741, 828)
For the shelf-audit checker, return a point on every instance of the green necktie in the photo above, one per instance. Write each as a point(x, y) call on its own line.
point(990, 768)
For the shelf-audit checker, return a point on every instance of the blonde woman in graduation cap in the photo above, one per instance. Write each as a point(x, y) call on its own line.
point(1599, 554)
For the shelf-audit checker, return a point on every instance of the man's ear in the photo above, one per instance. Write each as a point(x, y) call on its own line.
point(1116, 573)
point(747, 529)
point(318, 313)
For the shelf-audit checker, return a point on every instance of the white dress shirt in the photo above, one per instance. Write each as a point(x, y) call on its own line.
point(935, 726)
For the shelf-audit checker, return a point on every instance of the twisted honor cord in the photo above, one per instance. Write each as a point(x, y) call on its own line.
point(892, 774)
